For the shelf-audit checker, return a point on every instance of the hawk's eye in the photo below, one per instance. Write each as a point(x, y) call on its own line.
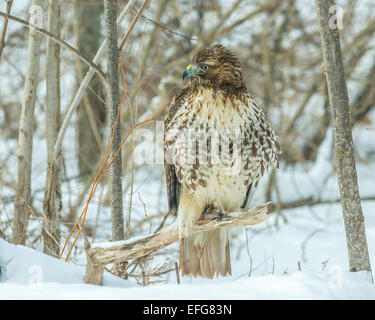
point(205, 67)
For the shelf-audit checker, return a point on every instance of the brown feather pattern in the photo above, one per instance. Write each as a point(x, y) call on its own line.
point(214, 106)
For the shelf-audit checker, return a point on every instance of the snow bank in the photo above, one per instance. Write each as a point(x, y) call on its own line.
point(30, 274)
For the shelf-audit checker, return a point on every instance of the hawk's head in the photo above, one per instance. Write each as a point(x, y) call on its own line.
point(215, 65)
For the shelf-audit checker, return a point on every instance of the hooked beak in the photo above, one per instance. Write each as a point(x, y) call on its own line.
point(187, 72)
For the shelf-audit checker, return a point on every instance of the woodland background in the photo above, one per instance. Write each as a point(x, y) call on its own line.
point(278, 43)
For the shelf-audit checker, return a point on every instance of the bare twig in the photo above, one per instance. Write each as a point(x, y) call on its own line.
point(252, 14)
point(177, 273)
point(145, 211)
point(59, 41)
point(5, 26)
point(143, 6)
point(165, 28)
point(309, 202)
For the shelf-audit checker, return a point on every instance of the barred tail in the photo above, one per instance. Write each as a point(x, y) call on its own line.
point(205, 254)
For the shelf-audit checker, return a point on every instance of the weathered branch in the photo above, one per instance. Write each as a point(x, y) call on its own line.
point(98, 257)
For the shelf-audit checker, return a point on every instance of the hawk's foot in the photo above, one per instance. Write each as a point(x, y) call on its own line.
point(220, 215)
point(208, 208)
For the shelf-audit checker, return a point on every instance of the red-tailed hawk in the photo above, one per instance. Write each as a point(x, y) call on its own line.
point(217, 144)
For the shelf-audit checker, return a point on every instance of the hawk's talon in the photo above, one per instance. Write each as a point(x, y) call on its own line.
point(220, 215)
point(208, 208)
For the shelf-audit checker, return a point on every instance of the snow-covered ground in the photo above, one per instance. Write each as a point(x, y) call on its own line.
point(303, 259)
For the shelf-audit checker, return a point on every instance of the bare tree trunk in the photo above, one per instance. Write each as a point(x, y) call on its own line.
point(84, 85)
point(113, 104)
point(25, 137)
point(52, 197)
point(345, 163)
point(91, 111)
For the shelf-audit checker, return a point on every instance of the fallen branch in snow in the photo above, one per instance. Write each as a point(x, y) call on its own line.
point(99, 257)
